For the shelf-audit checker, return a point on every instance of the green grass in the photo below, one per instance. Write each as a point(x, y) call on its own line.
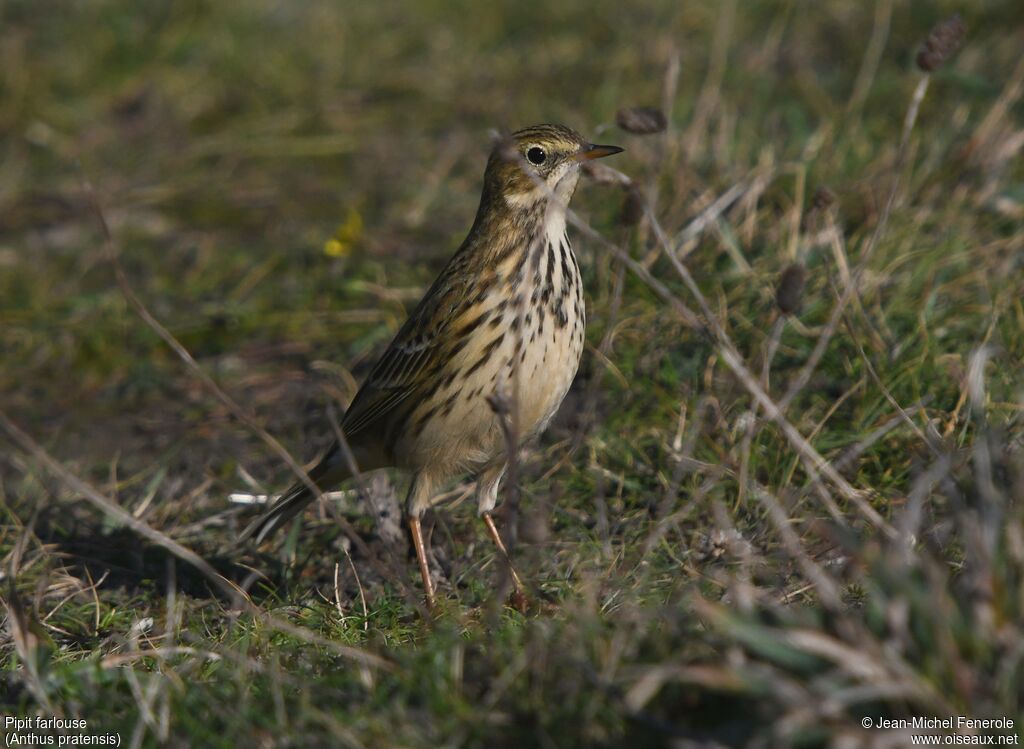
point(283, 180)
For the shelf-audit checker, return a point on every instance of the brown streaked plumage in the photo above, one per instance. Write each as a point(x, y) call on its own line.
point(505, 317)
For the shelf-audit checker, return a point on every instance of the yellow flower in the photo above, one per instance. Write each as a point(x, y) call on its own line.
point(334, 248)
point(345, 236)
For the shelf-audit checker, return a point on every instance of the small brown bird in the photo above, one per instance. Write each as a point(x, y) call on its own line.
point(502, 324)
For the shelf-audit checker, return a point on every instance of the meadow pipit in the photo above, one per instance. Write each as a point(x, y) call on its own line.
point(502, 324)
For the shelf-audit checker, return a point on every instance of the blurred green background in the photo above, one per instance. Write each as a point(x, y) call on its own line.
point(284, 179)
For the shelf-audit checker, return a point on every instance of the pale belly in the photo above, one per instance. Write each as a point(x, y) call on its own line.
point(523, 360)
point(547, 372)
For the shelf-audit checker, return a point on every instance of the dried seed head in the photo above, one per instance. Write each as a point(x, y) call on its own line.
point(942, 43)
point(641, 120)
point(823, 198)
point(632, 210)
point(790, 291)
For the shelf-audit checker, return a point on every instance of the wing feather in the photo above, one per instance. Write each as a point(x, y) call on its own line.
point(418, 346)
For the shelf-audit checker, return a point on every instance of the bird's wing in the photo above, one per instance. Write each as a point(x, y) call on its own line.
point(417, 348)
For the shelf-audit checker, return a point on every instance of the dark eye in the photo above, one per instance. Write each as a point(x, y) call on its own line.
point(536, 155)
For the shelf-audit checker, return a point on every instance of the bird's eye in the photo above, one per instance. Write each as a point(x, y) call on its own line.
point(536, 155)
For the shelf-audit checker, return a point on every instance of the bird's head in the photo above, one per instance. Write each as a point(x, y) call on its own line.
point(534, 163)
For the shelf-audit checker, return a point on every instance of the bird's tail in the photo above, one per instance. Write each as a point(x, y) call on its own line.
point(327, 472)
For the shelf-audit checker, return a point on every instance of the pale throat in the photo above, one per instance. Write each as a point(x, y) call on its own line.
point(556, 194)
point(554, 220)
point(557, 204)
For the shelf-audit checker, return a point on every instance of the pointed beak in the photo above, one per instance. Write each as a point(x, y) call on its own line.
point(593, 151)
